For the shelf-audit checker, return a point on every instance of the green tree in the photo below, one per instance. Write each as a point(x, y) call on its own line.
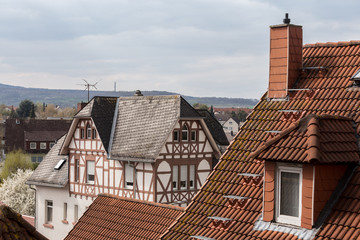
point(15, 160)
point(200, 106)
point(26, 109)
point(242, 115)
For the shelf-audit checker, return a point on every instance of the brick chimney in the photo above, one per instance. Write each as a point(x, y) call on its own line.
point(80, 106)
point(285, 57)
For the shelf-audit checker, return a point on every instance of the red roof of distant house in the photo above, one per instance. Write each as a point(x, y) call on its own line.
point(229, 110)
point(328, 91)
point(114, 217)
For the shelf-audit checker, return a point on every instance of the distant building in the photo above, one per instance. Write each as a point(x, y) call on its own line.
point(35, 136)
point(157, 149)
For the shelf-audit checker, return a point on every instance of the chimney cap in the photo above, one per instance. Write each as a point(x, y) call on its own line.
point(286, 20)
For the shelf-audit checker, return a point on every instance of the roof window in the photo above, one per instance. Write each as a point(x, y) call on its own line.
point(60, 164)
point(356, 78)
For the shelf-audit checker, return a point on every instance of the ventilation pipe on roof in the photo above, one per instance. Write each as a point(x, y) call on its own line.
point(285, 57)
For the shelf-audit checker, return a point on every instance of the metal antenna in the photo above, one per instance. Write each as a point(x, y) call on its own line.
point(87, 87)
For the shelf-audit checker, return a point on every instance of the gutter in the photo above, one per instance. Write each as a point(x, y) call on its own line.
point(45, 184)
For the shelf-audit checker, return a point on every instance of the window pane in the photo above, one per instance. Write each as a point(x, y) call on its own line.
point(175, 174)
point(192, 176)
point(183, 176)
point(90, 168)
point(176, 135)
point(289, 198)
point(129, 176)
point(193, 135)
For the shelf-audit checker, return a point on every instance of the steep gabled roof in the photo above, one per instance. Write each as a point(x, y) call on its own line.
point(45, 174)
point(113, 217)
point(315, 139)
point(214, 126)
point(13, 226)
point(101, 110)
point(144, 123)
point(328, 91)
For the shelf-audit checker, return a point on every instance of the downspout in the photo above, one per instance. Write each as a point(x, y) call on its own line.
point(36, 209)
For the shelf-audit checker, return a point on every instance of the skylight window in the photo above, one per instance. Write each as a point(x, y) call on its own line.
point(60, 164)
point(356, 76)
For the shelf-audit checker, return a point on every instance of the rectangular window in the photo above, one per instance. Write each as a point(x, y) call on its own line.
point(88, 133)
point(90, 172)
point(48, 211)
point(76, 213)
point(192, 176)
point(82, 133)
point(183, 176)
point(52, 144)
point(33, 145)
point(129, 176)
point(65, 212)
point(288, 202)
point(39, 159)
point(33, 159)
point(94, 133)
point(43, 145)
point(176, 136)
point(193, 135)
point(175, 176)
point(76, 170)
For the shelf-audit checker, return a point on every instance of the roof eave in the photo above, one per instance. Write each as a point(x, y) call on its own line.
point(44, 184)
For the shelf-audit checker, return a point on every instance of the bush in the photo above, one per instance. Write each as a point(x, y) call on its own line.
point(15, 160)
point(16, 194)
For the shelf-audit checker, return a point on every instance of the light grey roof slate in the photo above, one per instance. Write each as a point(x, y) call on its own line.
point(143, 124)
point(86, 111)
point(45, 174)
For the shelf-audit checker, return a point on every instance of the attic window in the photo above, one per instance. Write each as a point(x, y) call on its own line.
point(60, 164)
point(184, 133)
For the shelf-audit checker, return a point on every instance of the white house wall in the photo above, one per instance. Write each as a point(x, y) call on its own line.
point(59, 196)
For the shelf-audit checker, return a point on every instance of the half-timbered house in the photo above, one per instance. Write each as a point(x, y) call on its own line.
point(154, 148)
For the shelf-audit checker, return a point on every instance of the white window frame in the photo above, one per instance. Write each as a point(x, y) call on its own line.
point(183, 177)
point(285, 218)
point(43, 145)
point(175, 177)
point(49, 211)
point(88, 131)
point(90, 171)
point(32, 145)
point(185, 132)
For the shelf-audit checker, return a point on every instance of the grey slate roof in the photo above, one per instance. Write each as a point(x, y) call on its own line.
point(215, 127)
point(101, 110)
point(45, 174)
point(144, 123)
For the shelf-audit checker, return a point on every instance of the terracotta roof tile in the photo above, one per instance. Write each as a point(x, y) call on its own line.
point(330, 94)
point(123, 218)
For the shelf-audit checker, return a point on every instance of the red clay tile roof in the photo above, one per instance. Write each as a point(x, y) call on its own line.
point(322, 139)
point(114, 217)
point(13, 226)
point(323, 92)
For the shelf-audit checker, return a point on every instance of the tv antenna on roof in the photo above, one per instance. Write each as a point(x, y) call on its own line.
point(88, 86)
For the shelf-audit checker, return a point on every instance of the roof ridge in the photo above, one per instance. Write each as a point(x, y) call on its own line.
point(332, 44)
point(163, 205)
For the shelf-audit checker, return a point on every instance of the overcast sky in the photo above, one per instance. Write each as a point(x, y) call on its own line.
point(193, 47)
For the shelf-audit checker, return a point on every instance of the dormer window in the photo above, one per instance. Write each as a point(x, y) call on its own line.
point(184, 133)
point(288, 195)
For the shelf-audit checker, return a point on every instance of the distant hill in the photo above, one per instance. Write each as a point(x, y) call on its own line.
point(13, 95)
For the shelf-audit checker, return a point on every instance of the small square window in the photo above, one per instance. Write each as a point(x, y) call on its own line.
point(33, 145)
point(43, 145)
